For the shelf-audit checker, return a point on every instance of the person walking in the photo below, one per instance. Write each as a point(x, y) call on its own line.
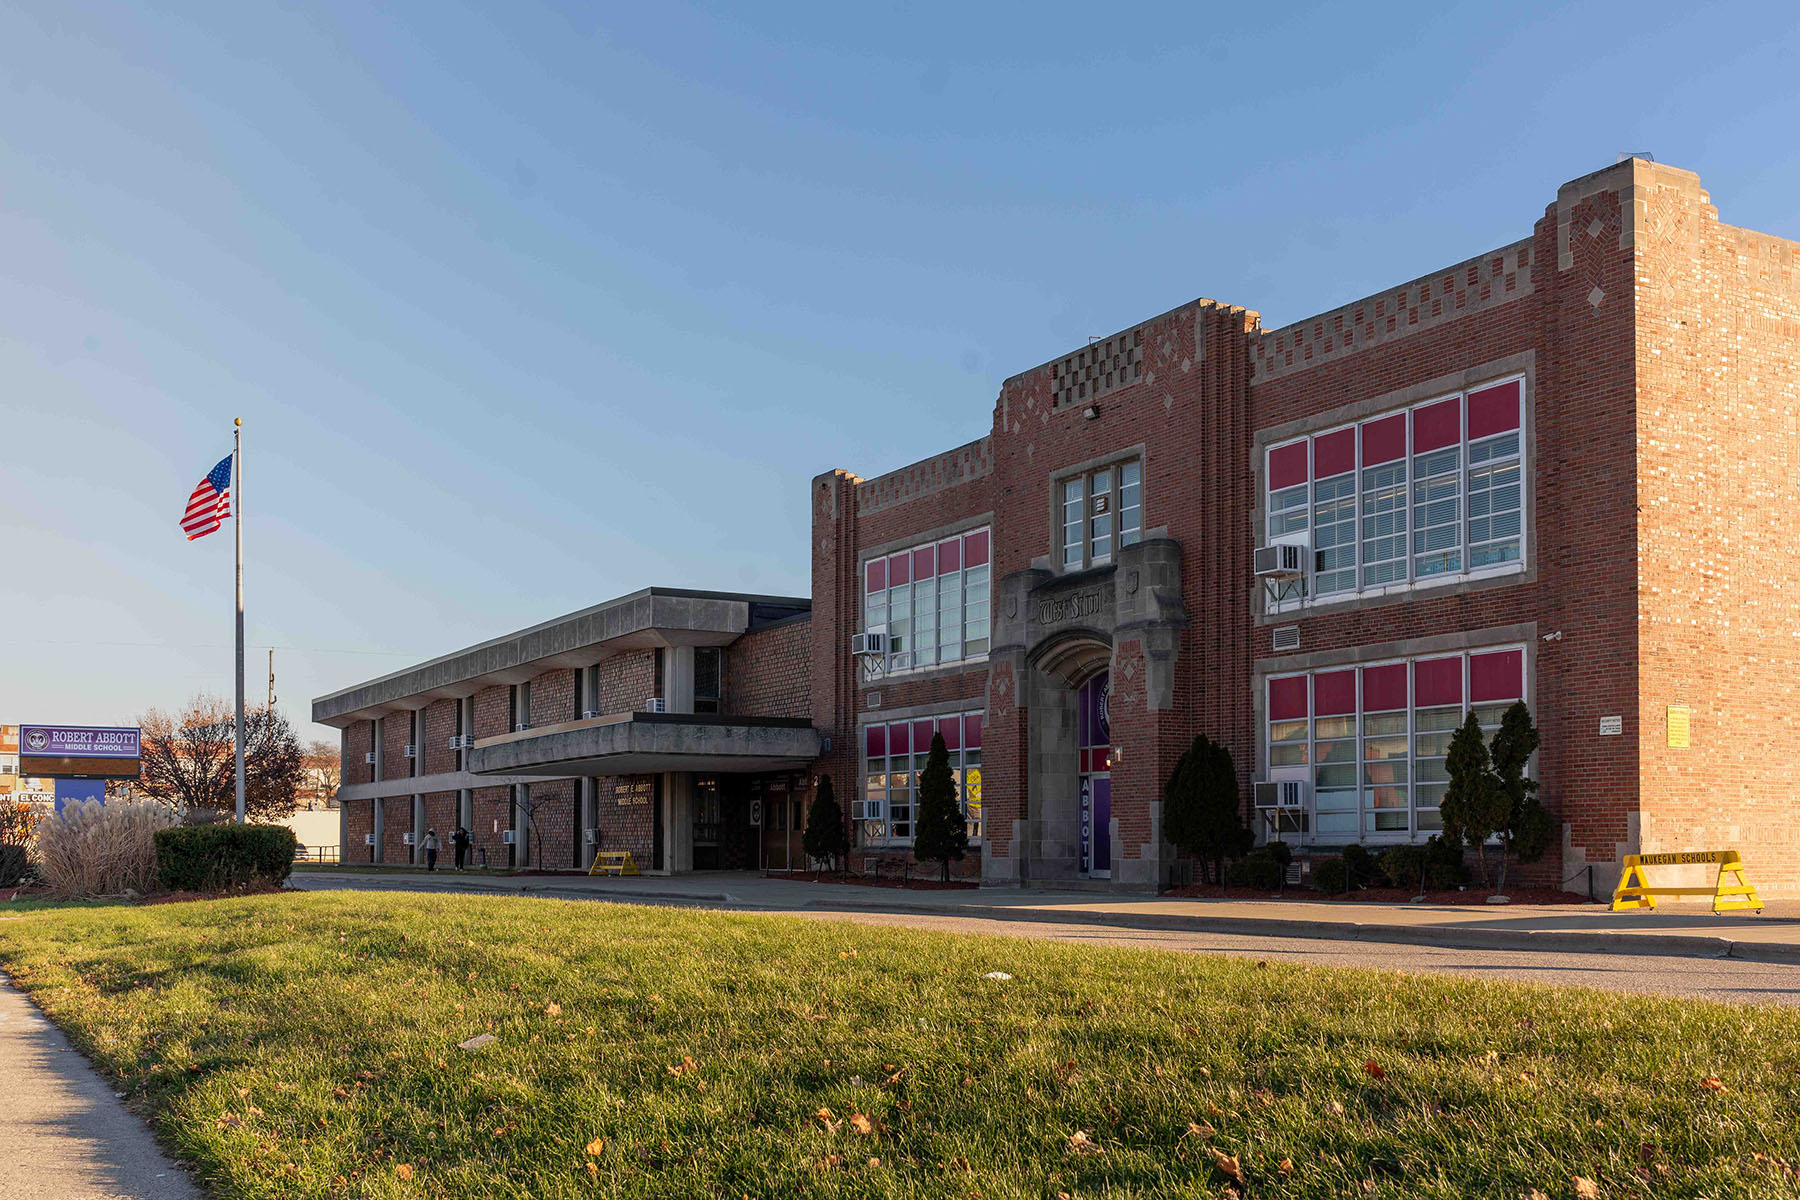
point(431, 849)
point(459, 840)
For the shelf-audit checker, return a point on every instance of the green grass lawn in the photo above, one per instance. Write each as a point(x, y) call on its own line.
point(306, 1045)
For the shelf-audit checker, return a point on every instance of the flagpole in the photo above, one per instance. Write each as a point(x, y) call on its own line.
point(237, 512)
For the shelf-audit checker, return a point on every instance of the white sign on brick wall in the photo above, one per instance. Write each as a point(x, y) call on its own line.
point(1611, 726)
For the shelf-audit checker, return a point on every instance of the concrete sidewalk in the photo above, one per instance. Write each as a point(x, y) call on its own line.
point(64, 1135)
point(1684, 931)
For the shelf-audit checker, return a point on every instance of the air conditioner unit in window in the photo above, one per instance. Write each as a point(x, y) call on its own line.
point(368, 839)
point(590, 836)
point(509, 837)
point(1282, 793)
point(865, 810)
point(522, 726)
point(369, 758)
point(588, 714)
point(874, 642)
point(406, 839)
point(1280, 561)
point(656, 704)
point(456, 741)
point(412, 752)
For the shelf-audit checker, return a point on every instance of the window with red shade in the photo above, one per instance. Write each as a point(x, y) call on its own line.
point(1372, 739)
point(1427, 494)
point(931, 601)
point(893, 755)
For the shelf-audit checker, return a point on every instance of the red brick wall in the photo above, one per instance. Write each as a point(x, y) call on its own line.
point(395, 733)
point(768, 673)
point(359, 739)
point(627, 680)
point(493, 711)
point(1718, 365)
point(553, 698)
point(440, 726)
point(440, 814)
point(627, 826)
point(362, 823)
point(493, 815)
point(553, 823)
point(396, 822)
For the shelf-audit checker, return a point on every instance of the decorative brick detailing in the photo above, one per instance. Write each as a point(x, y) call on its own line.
point(1099, 370)
point(1473, 286)
point(926, 477)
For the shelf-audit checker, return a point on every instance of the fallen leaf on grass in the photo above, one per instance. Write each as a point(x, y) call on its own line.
point(230, 1120)
point(1200, 1129)
point(553, 1009)
point(1000, 975)
point(592, 1170)
point(1337, 1109)
point(596, 1146)
point(1228, 1165)
point(1373, 1068)
point(684, 1066)
point(1081, 1143)
point(1286, 1166)
point(823, 1116)
point(403, 1170)
point(1585, 1188)
point(861, 1123)
point(1712, 1083)
point(477, 1042)
point(1532, 1194)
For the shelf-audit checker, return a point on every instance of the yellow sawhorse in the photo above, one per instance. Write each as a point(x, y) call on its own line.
point(613, 862)
point(1635, 890)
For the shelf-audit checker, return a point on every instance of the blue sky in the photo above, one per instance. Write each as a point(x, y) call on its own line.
point(525, 306)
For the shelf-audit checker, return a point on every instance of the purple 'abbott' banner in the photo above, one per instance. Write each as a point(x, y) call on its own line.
point(79, 741)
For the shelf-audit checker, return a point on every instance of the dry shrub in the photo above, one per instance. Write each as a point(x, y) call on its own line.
point(95, 849)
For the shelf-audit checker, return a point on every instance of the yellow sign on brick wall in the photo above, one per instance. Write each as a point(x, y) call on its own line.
point(1678, 726)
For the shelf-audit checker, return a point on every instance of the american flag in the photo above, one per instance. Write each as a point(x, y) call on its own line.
point(210, 504)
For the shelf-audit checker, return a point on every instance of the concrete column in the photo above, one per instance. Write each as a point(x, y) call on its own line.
point(380, 729)
point(678, 821)
point(521, 715)
point(343, 832)
point(465, 799)
point(418, 800)
point(678, 679)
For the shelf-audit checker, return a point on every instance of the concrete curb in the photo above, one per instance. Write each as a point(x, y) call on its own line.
point(1568, 941)
point(1544, 941)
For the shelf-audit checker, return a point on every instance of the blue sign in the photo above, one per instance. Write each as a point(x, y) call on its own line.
point(70, 790)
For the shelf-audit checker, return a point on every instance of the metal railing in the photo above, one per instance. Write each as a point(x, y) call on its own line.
point(316, 854)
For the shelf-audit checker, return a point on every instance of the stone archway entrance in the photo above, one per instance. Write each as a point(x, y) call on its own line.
point(1071, 784)
point(1093, 742)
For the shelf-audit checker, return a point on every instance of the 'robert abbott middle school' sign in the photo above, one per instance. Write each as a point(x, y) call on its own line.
point(79, 741)
point(79, 750)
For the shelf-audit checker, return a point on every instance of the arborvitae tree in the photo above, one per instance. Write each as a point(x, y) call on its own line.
point(940, 834)
point(825, 838)
point(1203, 808)
point(1474, 807)
point(1526, 831)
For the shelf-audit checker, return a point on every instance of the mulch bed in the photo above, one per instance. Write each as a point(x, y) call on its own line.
point(1519, 895)
point(914, 884)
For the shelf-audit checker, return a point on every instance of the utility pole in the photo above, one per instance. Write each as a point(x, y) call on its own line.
point(271, 680)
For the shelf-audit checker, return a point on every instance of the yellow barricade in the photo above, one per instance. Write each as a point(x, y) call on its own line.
point(1635, 890)
point(613, 862)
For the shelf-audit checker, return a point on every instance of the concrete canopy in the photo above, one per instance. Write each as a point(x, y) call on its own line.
point(649, 742)
point(653, 617)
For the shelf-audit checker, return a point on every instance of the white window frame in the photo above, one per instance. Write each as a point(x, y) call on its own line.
point(878, 830)
point(1308, 771)
point(1116, 510)
point(975, 602)
point(1293, 597)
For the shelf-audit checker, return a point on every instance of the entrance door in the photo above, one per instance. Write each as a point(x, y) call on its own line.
point(1093, 727)
point(708, 818)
